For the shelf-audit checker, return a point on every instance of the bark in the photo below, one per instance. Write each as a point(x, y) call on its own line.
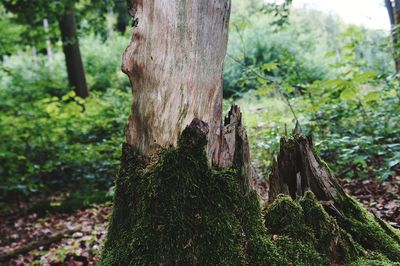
point(175, 66)
point(75, 69)
point(298, 168)
point(393, 8)
point(389, 7)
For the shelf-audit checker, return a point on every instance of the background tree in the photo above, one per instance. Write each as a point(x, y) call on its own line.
point(73, 58)
point(123, 17)
point(32, 13)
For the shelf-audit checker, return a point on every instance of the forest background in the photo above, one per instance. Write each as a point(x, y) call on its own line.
point(58, 150)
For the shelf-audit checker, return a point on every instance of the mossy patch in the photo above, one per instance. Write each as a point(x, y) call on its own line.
point(370, 232)
point(173, 209)
point(305, 226)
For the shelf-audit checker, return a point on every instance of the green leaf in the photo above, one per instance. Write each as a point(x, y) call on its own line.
point(372, 96)
point(290, 89)
point(349, 93)
point(331, 54)
point(393, 163)
point(334, 83)
point(68, 96)
point(264, 90)
point(269, 66)
point(364, 77)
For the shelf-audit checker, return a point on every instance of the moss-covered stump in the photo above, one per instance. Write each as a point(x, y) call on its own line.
point(173, 209)
point(298, 169)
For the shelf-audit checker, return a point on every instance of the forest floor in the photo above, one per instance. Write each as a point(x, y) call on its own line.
point(86, 229)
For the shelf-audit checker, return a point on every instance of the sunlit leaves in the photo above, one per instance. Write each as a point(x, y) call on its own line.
point(372, 96)
point(269, 66)
point(349, 93)
point(363, 77)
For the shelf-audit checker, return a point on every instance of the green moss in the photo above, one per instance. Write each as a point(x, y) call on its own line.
point(174, 210)
point(370, 232)
point(300, 253)
point(330, 238)
point(284, 216)
point(308, 227)
point(374, 260)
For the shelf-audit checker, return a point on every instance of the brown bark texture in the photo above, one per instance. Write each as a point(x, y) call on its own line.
point(299, 168)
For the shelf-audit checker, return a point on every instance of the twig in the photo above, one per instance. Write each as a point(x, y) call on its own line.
point(36, 244)
point(269, 81)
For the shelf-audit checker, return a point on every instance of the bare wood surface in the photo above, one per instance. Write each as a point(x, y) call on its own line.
point(298, 168)
point(175, 66)
point(234, 150)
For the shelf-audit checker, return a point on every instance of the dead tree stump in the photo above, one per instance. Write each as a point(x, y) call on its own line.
point(298, 169)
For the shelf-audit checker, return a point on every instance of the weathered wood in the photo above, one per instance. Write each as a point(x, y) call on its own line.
point(175, 66)
point(298, 168)
point(233, 150)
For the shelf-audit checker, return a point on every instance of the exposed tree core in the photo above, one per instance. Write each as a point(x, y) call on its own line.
point(175, 66)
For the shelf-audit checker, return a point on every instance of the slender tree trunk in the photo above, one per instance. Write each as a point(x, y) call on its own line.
point(122, 16)
point(48, 43)
point(75, 69)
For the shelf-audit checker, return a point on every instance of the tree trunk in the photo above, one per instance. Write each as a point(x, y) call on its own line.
point(393, 8)
point(122, 16)
point(175, 66)
point(75, 69)
point(184, 192)
point(48, 43)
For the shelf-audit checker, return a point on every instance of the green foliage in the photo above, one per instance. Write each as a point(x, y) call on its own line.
point(51, 139)
point(62, 142)
point(10, 33)
point(340, 89)
point(287, 55)
point(102, 61)
point(279, 11)
point(361, 97)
